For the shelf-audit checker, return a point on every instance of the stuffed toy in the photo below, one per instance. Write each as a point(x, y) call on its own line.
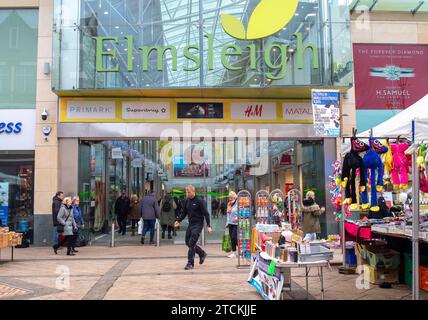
point(373, 162)
point(388, 161)
point(351, 163)
point(400, 172)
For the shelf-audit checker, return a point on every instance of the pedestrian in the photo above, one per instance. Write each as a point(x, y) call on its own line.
point(311, 217)
point(66, 220)
point(167, 216)
point(77, 214)
point(56, 205)
point(223, 209)
point(196, 211)
point(121, 209)
point(215, 207)
point(150, 211)
point(232, 221)
point(134, 212)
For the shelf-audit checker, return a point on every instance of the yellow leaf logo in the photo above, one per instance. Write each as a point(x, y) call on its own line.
point(268, 18)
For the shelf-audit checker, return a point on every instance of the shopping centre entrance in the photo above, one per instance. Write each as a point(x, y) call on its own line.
point(106, 167)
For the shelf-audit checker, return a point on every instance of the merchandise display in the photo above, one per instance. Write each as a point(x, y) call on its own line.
point(276, 207)
point(9, 239)
point(262, 207)
point(244, 226)
point(294, 208)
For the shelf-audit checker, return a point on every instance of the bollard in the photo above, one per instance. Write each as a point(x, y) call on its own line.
point(157, 233)
point(112, 235)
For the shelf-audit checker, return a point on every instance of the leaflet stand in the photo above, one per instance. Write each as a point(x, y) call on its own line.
point(276, 206)
point(262, 207)
point(244, 227)
point(294, 208)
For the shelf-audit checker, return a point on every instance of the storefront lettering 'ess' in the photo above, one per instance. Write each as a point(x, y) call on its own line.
point(261, 25)
point(10, 128)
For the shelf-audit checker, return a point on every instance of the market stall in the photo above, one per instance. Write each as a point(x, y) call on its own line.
point(9, 239)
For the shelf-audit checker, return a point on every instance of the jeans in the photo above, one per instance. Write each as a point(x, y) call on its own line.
point(192, 236)
point(70, 240)
point(149, 225)
point(233, 232)
point(55, 236)
point(310, 237)
point(121, 220)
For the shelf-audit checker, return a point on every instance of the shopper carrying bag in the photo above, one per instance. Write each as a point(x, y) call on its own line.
point(226, 244)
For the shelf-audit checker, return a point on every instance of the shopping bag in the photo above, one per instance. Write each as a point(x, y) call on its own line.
point(140, 226)
point(226, 244)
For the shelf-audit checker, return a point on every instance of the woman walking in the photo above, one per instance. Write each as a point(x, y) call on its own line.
point(66, 220)
point(167, 217)
point(77, 214)
point(232, 221)
point(311, 217)
point(135, 212)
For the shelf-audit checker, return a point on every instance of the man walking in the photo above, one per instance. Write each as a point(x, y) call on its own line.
point(56, 205)
point(121, 208)
point(196, 210)
point(150, 211)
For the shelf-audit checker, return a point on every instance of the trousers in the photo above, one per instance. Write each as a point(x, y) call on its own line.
point(192, 236)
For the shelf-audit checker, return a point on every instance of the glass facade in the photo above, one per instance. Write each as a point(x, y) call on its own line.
point(108, 167)
point(18, 58)
point(158, 44)
point(17, 191)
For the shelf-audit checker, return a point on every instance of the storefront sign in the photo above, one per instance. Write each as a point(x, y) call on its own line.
point(297, 112)
point(91, 110)
point(146, 110)
point(253, 111)
point(199, 110)
point(17, 129)
point(390, 76)
point(177, 110)
point(116, 153)
point(4, 203)
point(326, 110)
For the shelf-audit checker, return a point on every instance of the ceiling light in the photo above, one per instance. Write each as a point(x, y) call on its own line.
point(117, 27)
point(296, 14)
point(105, 12)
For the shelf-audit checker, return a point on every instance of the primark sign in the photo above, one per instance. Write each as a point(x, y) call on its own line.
point(268, 18)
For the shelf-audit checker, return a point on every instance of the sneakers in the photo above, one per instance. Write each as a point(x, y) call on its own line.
point(232, 255)
point(202, 258)
point(188, 266)
point(142, 240)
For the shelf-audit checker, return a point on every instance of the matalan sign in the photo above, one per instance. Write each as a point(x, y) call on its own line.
point(253, 111)
point(297, 111)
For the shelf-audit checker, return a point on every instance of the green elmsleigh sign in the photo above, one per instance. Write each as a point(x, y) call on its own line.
point(268, 18)
point(190, 53)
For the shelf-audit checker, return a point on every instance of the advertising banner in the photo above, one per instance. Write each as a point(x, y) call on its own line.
point(253, 111)
point(4, 203)
point(390, 76)
point(146, 110)
point(17, 129)
point(199, 110)
point(326, 110)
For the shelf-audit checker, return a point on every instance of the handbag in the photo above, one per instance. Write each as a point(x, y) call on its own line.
point(140, 226)
point(60, 227)
point(226, 244)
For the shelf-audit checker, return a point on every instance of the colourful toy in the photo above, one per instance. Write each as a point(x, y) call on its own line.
point(373, 162)
point(400, 172)
point(335, 191)
point(388, 161)
point(351, 163)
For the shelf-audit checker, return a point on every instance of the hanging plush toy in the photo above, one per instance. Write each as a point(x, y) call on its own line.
point(351, 163)
point(373, 162)
point(400, 172)
point(388, 161)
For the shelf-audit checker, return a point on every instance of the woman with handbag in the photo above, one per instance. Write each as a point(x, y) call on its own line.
point(66, 224)
point(232, 221)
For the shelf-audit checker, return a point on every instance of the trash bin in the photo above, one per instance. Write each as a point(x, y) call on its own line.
point(350, 257)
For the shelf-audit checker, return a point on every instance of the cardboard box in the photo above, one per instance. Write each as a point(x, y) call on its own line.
point(378, 276)
point(361, 262)
point(385, 258)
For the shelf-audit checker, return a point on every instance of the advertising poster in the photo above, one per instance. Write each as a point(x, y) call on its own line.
point(268, 286)
point(326, 110)
point(192, 163)
point(389, 76)
point(199, 110)
point(4, 203)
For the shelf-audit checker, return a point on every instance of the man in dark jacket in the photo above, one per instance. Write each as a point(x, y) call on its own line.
point(150, 211)
point(121, 209)
point(195, 209)
point(56, 205)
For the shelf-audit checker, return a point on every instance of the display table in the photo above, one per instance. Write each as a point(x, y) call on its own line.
point(11, 253)
point(397, 235)
point(272, 286)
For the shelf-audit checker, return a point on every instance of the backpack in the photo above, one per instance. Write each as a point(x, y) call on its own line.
point(166, 206)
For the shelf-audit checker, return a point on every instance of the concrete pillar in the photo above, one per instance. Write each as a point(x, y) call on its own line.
point(46, 153)
point(329, 159)
point(68, 174)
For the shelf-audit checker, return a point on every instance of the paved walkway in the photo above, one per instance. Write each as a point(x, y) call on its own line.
point(148, 272)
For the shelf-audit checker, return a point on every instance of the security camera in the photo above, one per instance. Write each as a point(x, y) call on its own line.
point(47, 131)
point(44, 115)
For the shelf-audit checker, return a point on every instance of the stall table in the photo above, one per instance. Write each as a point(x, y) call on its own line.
point(11, 253)
point(285, 270)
